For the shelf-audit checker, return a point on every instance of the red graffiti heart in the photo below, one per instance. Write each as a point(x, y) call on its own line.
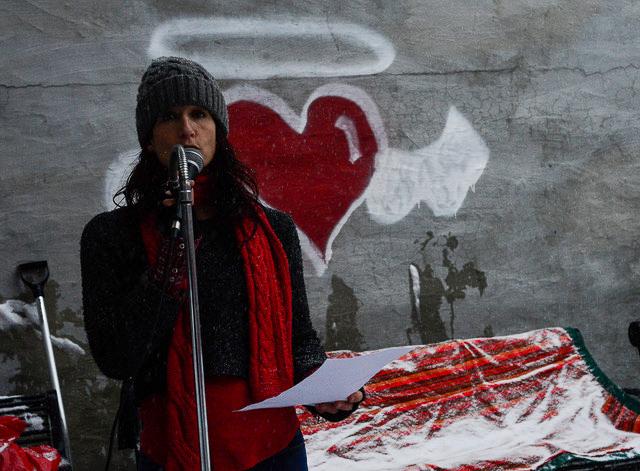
point(315, 175)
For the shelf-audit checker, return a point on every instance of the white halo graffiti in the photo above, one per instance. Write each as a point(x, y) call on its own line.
point(354, 49)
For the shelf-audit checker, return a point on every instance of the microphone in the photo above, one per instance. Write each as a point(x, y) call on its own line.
point(185, 164)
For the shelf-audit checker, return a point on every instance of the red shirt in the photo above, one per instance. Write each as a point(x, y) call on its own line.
point(237, 440)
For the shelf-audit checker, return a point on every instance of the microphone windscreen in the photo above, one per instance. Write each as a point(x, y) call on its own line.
point(195, 161)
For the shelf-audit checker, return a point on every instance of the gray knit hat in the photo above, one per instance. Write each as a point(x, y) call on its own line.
point(175, 81)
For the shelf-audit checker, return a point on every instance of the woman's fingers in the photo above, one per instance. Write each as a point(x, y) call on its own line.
point(355, 397)
point(326, 408)
point(333, 407)
point(343, 405)
point(170, 200)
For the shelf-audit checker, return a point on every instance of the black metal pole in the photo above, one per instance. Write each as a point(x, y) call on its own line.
point(185, 199)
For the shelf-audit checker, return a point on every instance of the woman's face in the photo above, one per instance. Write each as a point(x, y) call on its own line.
point(189, 125)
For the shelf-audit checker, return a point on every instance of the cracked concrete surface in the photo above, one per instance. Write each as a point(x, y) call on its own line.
point(550, 86)
point(64, 85)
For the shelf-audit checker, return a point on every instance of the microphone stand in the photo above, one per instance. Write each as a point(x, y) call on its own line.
point(185, 200)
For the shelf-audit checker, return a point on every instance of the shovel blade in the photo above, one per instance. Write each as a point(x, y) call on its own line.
point(34, 275)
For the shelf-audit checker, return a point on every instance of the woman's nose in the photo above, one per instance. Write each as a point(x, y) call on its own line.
point(187, 128)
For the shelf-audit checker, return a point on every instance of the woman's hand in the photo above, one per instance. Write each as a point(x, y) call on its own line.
point(170, 200)
point(333, 407)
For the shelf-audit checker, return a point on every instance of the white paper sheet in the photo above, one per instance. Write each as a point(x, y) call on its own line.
point(335, 380)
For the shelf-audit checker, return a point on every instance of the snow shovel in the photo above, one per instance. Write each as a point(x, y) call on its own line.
point(35, 275)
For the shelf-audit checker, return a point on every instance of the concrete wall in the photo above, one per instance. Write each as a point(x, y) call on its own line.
point(491, 144)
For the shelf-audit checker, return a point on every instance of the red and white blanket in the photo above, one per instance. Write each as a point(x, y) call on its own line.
point(530, 401)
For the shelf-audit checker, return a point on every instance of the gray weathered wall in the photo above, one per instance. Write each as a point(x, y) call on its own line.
point(507, 130)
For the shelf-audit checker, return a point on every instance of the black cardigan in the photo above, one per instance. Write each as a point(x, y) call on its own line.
point(129, 320)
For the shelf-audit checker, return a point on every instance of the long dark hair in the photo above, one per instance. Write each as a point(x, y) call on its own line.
point(234, 189)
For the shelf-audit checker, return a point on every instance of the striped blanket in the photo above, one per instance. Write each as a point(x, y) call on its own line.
point(530, 401)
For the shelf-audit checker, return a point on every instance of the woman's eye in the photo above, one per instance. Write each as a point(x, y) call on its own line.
point(167, 117)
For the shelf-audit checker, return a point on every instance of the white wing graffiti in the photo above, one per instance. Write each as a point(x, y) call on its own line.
point(439, 174)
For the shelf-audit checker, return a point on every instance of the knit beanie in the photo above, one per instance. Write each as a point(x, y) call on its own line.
point(175, 81)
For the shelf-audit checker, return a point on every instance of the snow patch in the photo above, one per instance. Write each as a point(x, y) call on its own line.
point(5, 411)
point(414, 274)
point(34, 421)
point(15, 313)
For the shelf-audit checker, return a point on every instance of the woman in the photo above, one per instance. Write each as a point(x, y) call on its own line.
point(257, 336)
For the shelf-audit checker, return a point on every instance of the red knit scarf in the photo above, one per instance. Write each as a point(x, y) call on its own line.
point(268, 286)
